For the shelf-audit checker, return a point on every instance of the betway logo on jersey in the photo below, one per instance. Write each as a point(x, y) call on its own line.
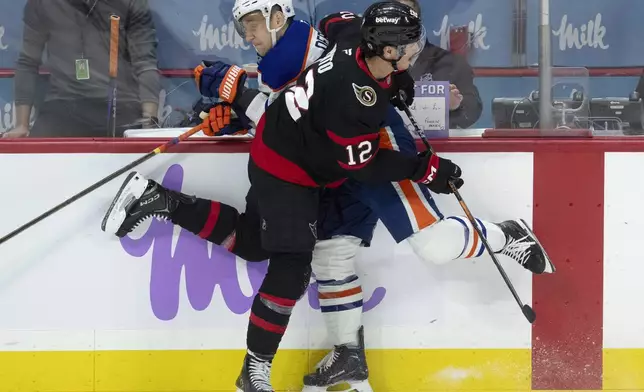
point(219, 38)
point(590, 34)
point(386, 19)
point(475, 28)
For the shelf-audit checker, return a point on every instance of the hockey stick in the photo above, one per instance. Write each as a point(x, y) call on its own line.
point(528, 312)
point(115, 21)
point(159, 150)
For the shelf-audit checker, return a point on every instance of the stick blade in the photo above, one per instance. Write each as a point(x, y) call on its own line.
point(529, 314)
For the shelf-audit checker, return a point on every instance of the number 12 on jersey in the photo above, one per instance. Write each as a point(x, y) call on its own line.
point(362, 152)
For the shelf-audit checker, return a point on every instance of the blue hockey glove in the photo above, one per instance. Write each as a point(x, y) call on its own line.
point(216, 79)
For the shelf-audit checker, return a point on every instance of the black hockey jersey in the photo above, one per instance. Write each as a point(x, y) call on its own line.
point(341, 26)
point(326, 127)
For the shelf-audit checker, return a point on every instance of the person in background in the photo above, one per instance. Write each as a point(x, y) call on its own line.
point(436, 63)
point(638, 93)
point(76, 35)
point(639, 89)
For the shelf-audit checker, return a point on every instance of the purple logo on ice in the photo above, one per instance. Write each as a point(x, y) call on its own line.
point(203, 272)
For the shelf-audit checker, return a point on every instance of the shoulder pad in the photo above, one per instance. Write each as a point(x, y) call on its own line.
point(340, 24)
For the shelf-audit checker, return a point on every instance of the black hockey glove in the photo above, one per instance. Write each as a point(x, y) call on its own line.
point(435, 172)
point(402, 81)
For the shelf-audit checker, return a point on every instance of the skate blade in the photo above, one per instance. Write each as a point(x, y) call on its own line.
point(131, 190)
point(345, 386)
point(552, 268)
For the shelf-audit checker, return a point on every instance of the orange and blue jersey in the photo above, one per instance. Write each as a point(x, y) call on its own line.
point(403, 207)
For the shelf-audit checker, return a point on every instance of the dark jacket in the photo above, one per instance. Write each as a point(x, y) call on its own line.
point(69, 31)
point(435, 63)
point(640, 87)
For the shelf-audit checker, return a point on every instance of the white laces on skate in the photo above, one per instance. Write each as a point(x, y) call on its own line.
point(259, 373)
point(518, 249)
point(328, 360)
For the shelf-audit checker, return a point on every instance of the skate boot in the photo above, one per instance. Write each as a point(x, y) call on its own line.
point(343, 365)
point(255, 375)
point(137, 200)
point(524, 247)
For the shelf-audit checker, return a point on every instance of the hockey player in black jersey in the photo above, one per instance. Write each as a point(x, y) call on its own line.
point(326, 127)
point(316, 134)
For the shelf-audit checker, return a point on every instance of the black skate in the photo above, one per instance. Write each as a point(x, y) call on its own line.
point(137, 200)
point(343, 365)
point(255, 375)
point(524, 247)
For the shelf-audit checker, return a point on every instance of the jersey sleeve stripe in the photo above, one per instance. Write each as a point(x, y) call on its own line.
point(386, 141)
point(273, 163)
point(349, 141)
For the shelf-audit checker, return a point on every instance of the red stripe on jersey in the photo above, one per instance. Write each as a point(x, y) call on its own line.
point(211, 221)
point(275, 164)
point(350, 141)
point(335, 184)
point(386, 83)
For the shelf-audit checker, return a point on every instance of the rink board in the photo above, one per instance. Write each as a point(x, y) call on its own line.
point(391, 370)
point(163, 311)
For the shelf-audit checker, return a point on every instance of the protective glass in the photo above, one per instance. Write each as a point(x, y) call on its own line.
point(415, 48)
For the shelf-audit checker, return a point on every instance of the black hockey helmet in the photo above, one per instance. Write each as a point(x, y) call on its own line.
point(390, 23)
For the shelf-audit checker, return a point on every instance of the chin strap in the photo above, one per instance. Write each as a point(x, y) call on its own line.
point(394, 63)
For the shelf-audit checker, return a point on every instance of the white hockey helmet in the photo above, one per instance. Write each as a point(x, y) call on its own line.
point(245, 7)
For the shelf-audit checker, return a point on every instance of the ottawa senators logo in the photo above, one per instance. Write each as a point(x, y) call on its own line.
point(365, 94)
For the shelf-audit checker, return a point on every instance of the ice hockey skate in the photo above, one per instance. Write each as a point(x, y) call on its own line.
point(137, 200)
point(523, 246)
point(343, 365)
point(255, 375)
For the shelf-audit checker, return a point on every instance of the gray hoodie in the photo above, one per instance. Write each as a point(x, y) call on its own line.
point(67, 30)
